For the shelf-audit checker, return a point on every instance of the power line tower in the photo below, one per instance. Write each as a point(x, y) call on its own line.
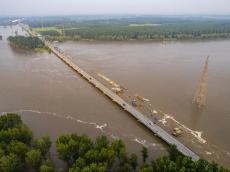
point(201, 90)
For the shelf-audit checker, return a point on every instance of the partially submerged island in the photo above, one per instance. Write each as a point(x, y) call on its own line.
point(27, 42)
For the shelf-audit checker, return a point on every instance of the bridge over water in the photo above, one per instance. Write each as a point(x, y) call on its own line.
point(157, 130)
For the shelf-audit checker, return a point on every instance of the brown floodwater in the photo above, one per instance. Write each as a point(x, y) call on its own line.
point(53, 99)
point(167, 74)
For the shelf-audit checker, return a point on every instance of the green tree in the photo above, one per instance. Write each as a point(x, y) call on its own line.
point(34, 159)
point(18, 148)
point(102, 142)
point(10, 120)
point(133, 161)
point(80, 163)
point(173, 152)
point(118, 146)
point(144, 153)
point(11, 163)
point(47, 166)
point(43, 144)
point(148, 168)
point(68, 148)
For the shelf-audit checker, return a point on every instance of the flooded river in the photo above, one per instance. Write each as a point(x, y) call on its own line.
point(53, 99)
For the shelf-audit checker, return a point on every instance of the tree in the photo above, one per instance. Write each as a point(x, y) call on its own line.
point(117, 146)
point(102, 142)
point(47, 166)
point(144, 153)
point(2, 152)
point(147, 168)
point(10, 120)
point(201, 165)
point(133, 161)
point(43, 145)
point(213, 167)
point(11, 163)
point(21, 133)
point(173, 152)
point(18, 148)
point(15, 146)
point(126, 167)
point(34, 158)
point(68, 148)
point(80, 163)
point(26, 42)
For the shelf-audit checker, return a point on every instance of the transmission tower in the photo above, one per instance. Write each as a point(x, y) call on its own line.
point(201, 90)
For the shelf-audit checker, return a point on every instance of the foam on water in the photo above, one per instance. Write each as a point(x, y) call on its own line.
point(101, 127)
point(196, 134)
point(208, 153)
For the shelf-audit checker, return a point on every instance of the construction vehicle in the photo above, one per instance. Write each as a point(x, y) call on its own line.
point(134, 103)
point(141, 98)
point(177, 132)
point(117, 90)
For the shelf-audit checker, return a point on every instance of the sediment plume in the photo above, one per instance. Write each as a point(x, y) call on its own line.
point(201, 91)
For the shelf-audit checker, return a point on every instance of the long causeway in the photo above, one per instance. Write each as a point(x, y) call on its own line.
point(157, 130)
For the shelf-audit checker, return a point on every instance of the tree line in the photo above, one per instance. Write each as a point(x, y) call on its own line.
point(135, 28)
point(21, 152)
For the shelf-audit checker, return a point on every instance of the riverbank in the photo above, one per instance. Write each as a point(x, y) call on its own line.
point(78, 38)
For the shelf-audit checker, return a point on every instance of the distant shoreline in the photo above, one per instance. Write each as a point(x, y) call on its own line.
point(147, 40)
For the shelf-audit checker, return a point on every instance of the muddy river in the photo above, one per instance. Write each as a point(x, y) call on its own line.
point(52, 99)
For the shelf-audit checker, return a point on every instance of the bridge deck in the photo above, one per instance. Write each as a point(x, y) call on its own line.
point(169, 139)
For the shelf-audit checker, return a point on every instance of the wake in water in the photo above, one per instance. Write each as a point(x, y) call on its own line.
point(104, 128)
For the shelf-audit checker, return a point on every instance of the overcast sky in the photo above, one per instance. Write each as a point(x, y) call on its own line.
point(53, 7)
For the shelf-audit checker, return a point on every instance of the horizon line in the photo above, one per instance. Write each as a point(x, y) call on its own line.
point(112, 14)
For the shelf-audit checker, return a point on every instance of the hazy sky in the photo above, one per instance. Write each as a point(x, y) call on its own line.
point(52, 7)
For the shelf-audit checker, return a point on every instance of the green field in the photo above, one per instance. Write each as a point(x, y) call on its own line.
point(42, 29)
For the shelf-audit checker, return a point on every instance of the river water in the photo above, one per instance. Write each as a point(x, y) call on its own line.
point(53, 99)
